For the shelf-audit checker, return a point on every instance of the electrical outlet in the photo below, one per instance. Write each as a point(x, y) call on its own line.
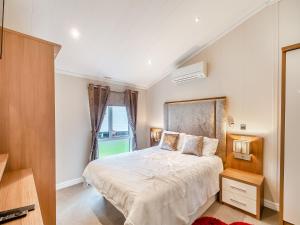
point(243, 126)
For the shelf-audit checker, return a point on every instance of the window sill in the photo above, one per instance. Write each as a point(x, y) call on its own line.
point(114, 138)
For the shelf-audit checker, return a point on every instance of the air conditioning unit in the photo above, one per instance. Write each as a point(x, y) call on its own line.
point(191, 72)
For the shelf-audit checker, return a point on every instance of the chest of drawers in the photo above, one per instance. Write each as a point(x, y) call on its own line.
point(242, 190)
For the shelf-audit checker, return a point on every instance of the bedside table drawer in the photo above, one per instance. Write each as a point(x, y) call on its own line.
point(239, 201)
point(245, 190)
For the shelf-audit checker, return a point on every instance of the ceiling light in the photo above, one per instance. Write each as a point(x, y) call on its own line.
point(149, 62)
point(197, 19)
point(75, 33)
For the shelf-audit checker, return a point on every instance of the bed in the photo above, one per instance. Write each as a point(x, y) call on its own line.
point(159, 187)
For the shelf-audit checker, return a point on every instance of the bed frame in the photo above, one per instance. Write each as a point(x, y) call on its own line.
point(203, 117)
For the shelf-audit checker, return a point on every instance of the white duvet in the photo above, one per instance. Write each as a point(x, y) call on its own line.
point(154, 186)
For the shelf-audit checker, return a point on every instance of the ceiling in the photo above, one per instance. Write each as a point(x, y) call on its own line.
point(132, 41)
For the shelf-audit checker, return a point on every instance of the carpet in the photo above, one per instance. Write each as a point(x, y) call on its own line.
point(214, 221)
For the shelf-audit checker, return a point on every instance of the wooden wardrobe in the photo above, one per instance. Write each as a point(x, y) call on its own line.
point(290, 141)
point(27, 112)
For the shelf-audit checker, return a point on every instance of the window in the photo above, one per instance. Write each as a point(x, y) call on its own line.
point(115, 123)
point(119, 121)
point(114, 135)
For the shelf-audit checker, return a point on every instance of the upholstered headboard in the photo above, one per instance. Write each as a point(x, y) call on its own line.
point(204, 117)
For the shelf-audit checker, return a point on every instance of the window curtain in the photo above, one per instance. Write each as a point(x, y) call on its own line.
point(116, 99)
point(131, 100)
point(98, 96)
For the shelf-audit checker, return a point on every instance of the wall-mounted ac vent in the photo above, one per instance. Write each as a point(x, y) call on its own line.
point(191, 72)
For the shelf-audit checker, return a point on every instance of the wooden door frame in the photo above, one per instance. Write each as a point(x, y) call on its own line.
point(285, 50)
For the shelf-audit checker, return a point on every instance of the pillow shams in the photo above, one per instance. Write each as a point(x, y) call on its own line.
point(179, 142)
point(210, 146)
point(170, 142)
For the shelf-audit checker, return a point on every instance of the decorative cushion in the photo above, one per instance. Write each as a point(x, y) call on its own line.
point(192, 145)
point(180, 139)
point(163, 135)
point(170, 142)
point(210, 146)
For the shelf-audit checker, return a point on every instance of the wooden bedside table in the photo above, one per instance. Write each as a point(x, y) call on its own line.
point(242, 190)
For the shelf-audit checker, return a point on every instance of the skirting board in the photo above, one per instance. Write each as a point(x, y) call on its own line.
point(271, 205)
point(68, 183)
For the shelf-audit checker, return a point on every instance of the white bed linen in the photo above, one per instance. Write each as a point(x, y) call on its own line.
point(154, 186)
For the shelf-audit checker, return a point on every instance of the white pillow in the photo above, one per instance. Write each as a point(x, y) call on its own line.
point(210, 146)
point(192, 145)
point(180, 140)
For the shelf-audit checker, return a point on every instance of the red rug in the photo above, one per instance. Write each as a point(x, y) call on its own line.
point(214, 221)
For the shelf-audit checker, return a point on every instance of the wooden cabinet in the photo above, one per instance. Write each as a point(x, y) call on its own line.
point(3, 162)
point(27, 116)
point(17, 189)
point(242, 190)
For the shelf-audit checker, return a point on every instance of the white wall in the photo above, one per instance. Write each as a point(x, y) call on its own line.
point(73, 129)
point(243, 66)
point(289, 22)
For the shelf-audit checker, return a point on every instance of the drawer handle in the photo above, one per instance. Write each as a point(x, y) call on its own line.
point(239, 189)
point(238, 202)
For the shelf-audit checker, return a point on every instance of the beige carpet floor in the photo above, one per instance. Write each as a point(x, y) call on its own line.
point(81, 205)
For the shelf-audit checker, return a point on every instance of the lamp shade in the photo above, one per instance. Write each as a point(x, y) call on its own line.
point(155, 135)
